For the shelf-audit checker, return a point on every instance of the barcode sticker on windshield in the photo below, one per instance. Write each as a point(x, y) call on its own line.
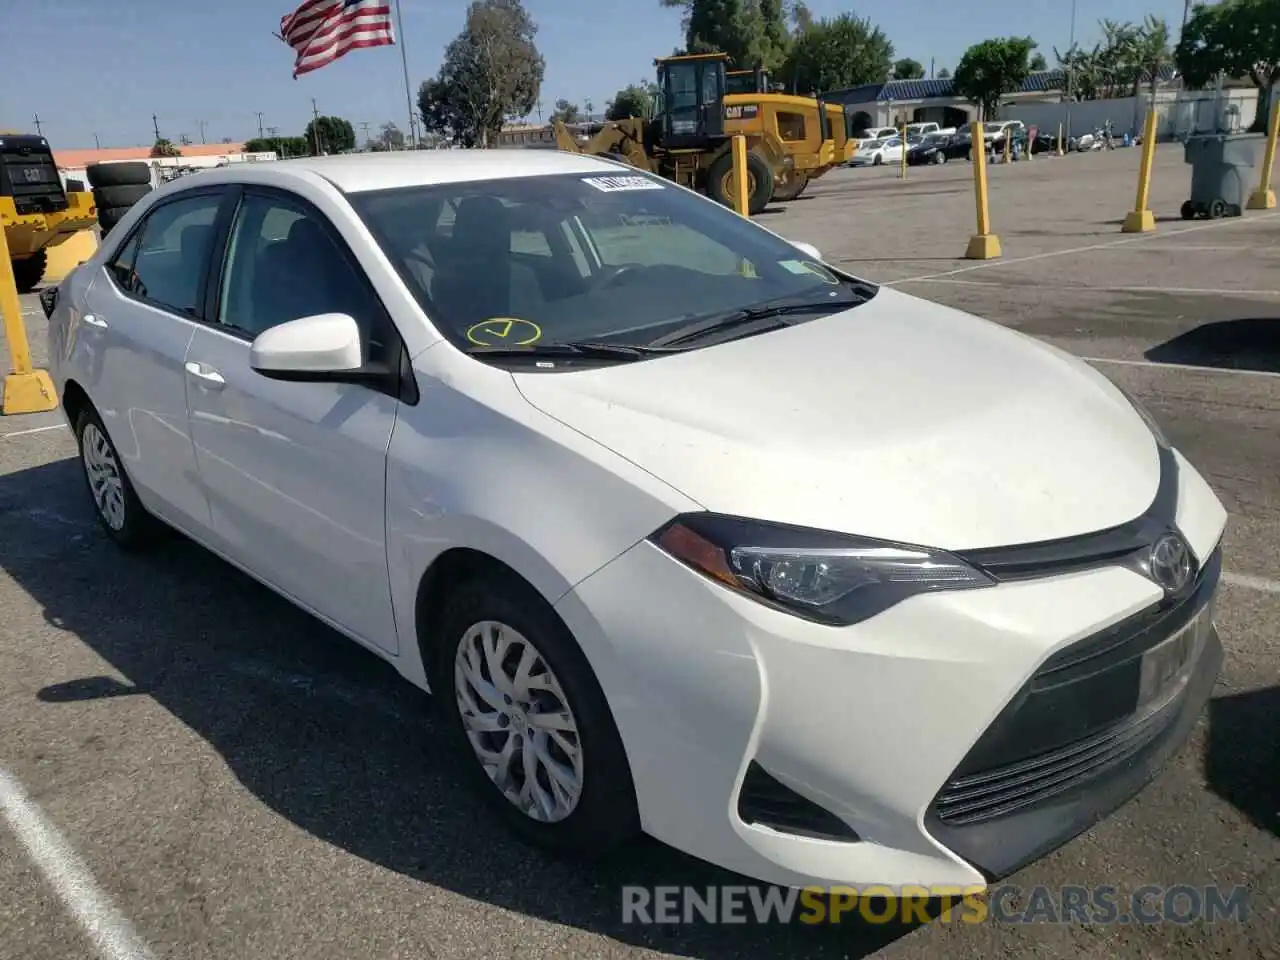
point(618, 184)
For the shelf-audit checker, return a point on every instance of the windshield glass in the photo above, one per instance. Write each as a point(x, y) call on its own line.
point(608, 257)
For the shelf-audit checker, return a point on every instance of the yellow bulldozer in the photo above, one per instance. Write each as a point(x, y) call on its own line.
point(690, 139)
point(815, 134)
point(36, 212)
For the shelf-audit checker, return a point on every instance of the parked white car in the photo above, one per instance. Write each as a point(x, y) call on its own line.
point(872, 153)
point(690, 532)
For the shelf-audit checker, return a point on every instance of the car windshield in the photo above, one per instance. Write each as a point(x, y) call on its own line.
point(624, 258)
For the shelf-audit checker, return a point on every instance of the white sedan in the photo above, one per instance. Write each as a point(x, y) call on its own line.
point(691, 533)
point(873, 153)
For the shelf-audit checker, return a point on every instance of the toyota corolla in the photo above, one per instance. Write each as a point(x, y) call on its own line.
point(689, 532)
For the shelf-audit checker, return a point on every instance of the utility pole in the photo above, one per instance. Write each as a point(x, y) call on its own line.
point(39, 126)
point(1071, 67)
point(931, 63)
point(155, 123)
point(364, 125)
point(259, 124)
point(96, 142)
point(203, 124)
point(315, 126)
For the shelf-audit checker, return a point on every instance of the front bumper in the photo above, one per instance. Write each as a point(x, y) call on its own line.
point(806, 755)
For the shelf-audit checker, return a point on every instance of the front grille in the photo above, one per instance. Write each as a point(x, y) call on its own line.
point(1005, 790)
point(765, 801)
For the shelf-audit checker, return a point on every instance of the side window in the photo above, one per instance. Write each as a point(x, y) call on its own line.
point(166, 262)
point(282, 264)
point(791, 126)
point(121, 266)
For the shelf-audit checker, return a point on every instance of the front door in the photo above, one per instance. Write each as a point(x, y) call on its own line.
point(295, 472)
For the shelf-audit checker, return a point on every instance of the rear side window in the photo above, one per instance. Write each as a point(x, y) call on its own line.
point(165, 261)
point(791, 126)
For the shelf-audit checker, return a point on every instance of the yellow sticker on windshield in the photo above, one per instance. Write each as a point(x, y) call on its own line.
point(504, 332)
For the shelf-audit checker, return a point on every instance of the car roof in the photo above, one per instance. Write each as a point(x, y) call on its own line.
point(361, 172)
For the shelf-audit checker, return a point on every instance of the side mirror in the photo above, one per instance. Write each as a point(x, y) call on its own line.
point(322, 347)
point(808, 249)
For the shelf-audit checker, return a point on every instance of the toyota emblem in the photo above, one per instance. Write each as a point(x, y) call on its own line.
point(1170, 563)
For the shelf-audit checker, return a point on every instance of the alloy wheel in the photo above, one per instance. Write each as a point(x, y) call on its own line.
point(518, 720)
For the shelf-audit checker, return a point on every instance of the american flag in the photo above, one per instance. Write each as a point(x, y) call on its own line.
point(321, 31)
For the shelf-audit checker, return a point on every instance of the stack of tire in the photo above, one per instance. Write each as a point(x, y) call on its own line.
point(116, 188)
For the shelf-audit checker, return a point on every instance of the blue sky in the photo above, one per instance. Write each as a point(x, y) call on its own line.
point(89, 66)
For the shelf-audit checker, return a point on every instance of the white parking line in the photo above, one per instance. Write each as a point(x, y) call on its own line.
point(1183, 366)
point(110, 932)
point(24, 433)
point(1140, 238)
point(1261, 584)
point(1090, 288)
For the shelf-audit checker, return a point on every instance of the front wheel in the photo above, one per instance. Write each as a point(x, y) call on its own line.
point(524, 710)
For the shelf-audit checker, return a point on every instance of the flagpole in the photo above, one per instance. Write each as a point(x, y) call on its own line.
point(408, 93)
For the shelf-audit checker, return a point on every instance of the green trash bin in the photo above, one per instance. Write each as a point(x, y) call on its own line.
point(1222, 173)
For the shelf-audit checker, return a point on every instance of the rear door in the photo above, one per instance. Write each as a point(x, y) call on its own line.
point(130, 344)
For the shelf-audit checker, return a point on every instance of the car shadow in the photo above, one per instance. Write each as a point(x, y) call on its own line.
point(1243, 761)
point(315, 727)
point(1239, 344)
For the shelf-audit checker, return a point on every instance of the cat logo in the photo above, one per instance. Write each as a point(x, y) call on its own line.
point(742, 111)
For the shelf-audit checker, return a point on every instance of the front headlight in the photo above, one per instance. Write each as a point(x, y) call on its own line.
point(826, 577)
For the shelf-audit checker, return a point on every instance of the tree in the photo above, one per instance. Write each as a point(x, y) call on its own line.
point(566, 112)
point(1038, 62)
point(908, 69)
point(390, 137)
point(831, 54)
point(991, 69)
point(280, 146)
point(165, 148)
point(635, 100)
point(773, 39)
point(1116, 66)
point(732, 27)
point(330, 135)
point(1236, 38)
point(944, 74)
point(491, 71)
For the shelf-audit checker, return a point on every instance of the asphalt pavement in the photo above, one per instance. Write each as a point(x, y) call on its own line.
point(191, 768)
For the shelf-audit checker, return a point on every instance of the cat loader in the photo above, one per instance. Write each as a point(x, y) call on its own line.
point(689, 139)
point(36, 213)
point(815, 134)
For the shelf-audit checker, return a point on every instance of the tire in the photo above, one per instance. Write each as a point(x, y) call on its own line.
point(124, 196)
point(602, 813)
point(1188, 210)
point(1217, 209)
point(759, 182)
point(792, 190)
point(877, 160)
point(130, 174)
point(939, 157)
point(115, 504)
point(108, 217)
point(29, 272)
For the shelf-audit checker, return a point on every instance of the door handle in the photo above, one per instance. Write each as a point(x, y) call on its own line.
point(205, 373)
point(94, 321)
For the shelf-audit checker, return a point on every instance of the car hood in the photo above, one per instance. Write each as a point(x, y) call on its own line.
point(898, 419)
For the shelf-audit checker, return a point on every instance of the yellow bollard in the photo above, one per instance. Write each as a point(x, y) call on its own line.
point(902, 175)
point(1061, 151)
point(1140, 219)
point(1008, 144)
point(983, 245)
point(25, 390)
point(740, 186)
point(1264, 198)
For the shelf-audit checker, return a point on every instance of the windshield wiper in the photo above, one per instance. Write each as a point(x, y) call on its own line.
point(572, 348)
point(719, 322)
